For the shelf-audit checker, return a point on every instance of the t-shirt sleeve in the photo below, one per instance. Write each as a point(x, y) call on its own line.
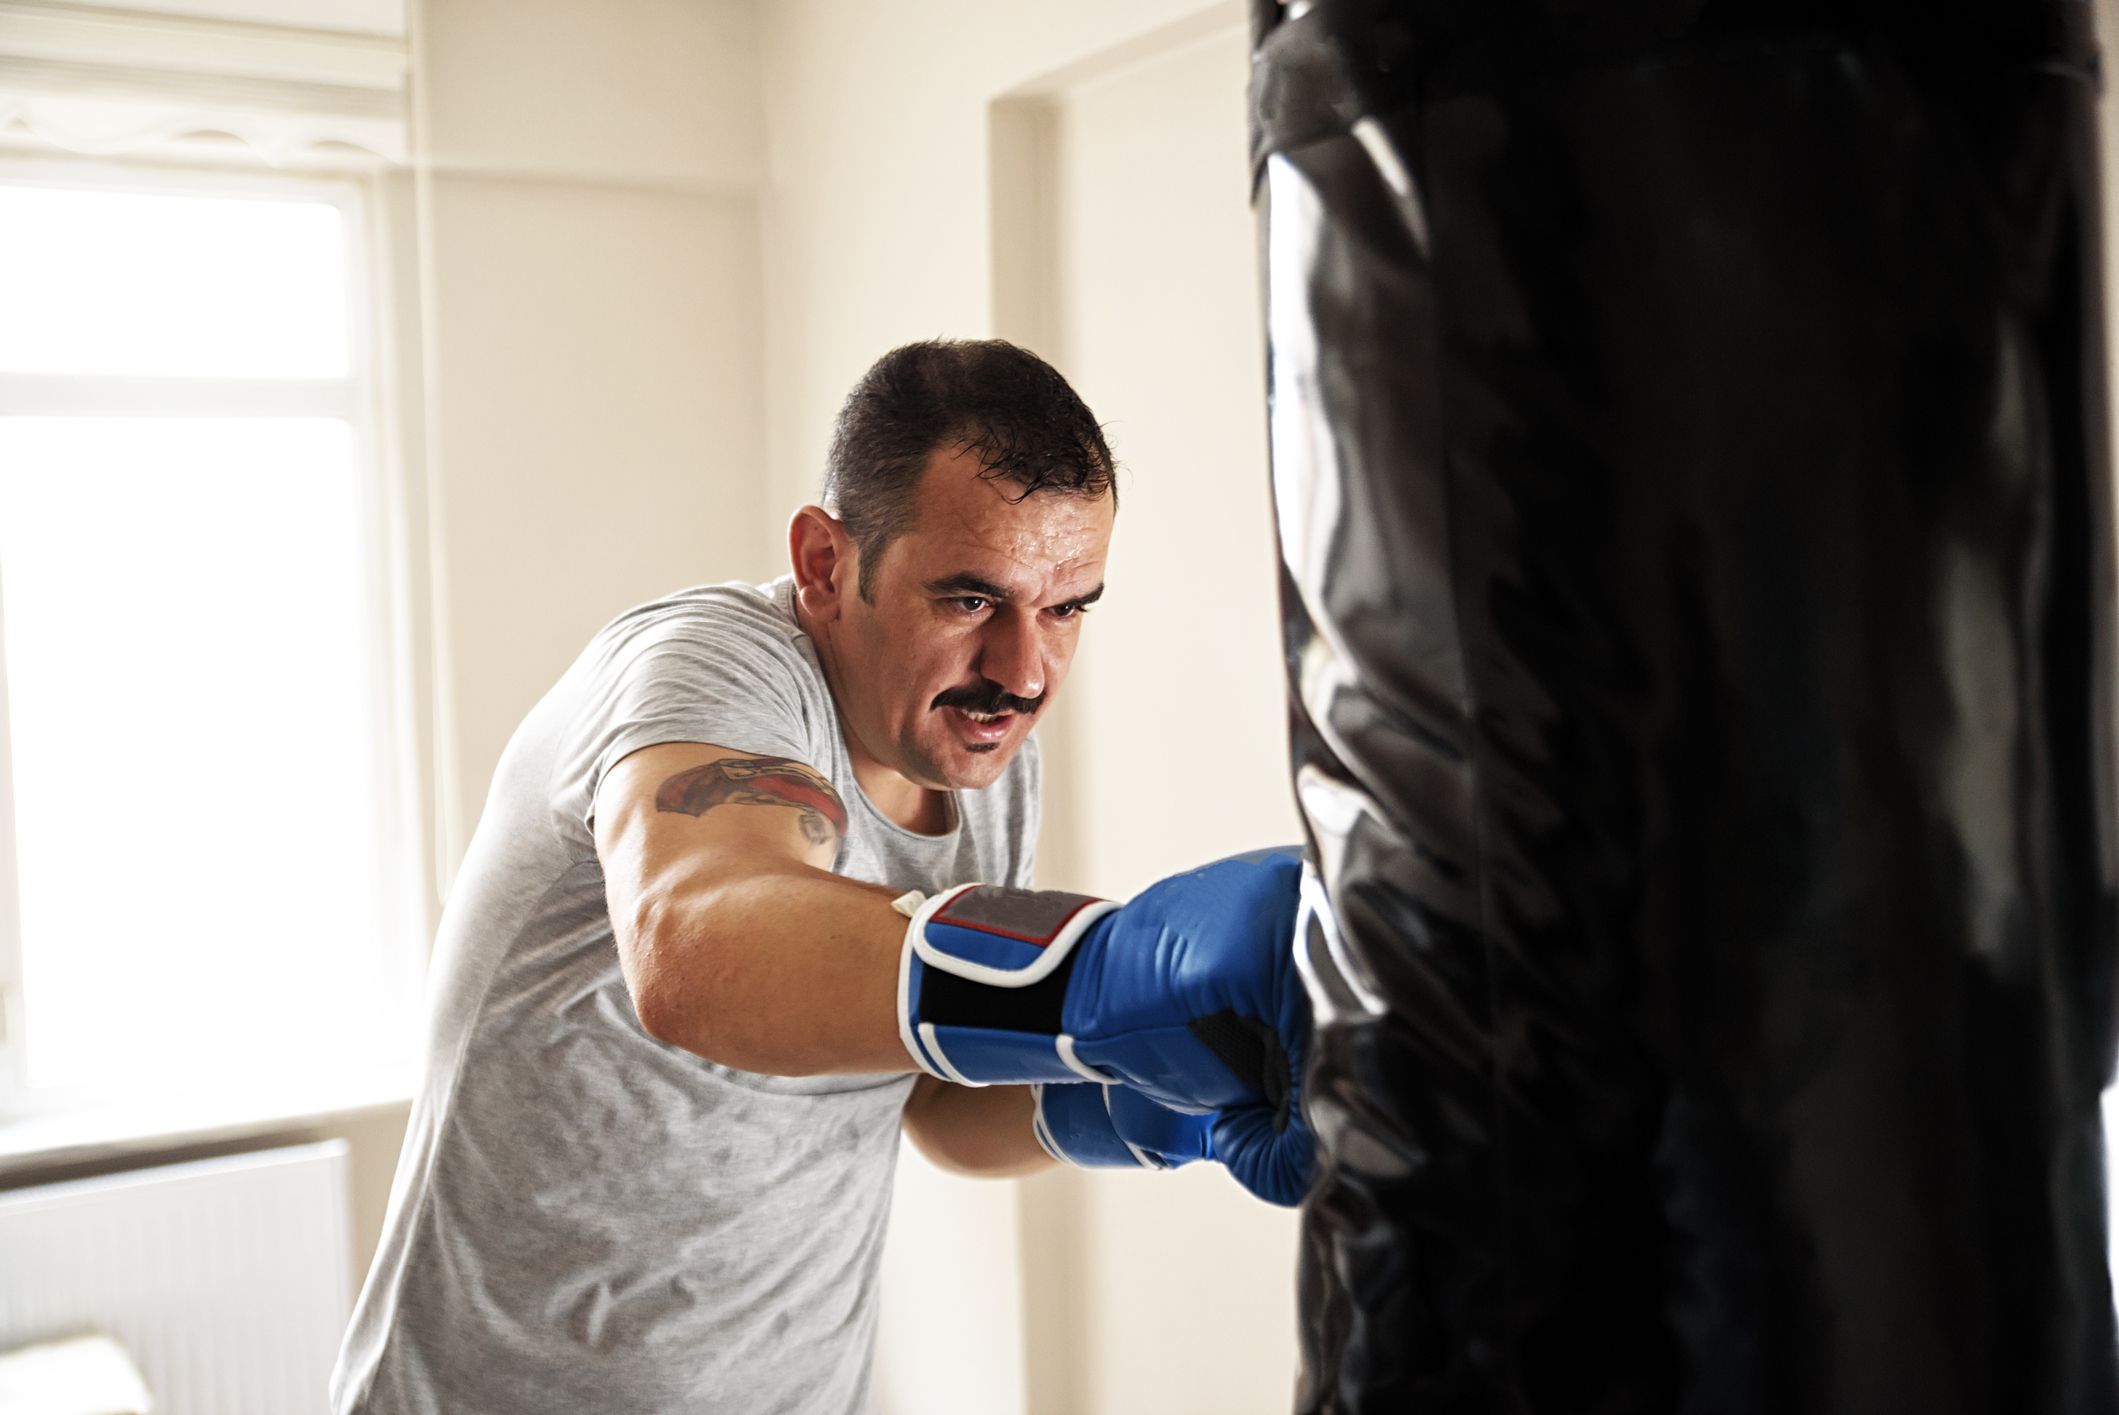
point(693, 676)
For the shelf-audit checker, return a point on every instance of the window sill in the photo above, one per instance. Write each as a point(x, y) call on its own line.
point(30, 1146)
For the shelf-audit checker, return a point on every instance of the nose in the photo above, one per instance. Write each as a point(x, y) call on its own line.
point(1013, 654)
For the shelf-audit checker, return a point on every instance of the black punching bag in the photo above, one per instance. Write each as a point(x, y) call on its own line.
point(1689, 454)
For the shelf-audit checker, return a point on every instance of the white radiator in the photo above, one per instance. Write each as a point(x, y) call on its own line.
point(229, 1280)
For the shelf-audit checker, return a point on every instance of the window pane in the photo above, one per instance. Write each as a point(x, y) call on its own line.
point(131, 283)
point(191, 709)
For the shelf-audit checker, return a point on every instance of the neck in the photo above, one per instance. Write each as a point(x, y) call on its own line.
point(911, 806)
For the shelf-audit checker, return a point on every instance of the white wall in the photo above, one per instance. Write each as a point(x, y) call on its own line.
point(593, 313)
point(1073, 177)
point(384, 17)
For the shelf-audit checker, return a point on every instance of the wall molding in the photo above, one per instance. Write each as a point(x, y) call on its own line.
point(105, 82)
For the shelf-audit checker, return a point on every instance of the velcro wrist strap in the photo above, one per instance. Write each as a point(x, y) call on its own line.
point(982, 983)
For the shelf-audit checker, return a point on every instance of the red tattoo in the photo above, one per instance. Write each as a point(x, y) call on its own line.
point(758, 781)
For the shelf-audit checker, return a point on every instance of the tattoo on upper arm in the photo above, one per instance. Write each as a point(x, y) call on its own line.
point(758, 781)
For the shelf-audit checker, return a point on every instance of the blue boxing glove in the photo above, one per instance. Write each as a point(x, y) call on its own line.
point(1111, 1127)
point(1188, 993)
point(1116, 1127)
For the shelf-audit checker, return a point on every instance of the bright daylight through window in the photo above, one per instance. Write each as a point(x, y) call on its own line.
point(199, 887)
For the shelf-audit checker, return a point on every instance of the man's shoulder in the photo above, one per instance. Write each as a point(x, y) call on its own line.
point(730, 606)
point(747, 626)
point(720, 663)
point(701, 641)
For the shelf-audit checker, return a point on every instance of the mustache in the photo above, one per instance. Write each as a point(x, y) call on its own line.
point(988, 698)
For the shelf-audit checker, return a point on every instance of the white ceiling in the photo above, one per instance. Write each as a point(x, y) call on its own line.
point(385, 17)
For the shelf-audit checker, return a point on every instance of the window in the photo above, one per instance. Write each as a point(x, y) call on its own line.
point(204, 877)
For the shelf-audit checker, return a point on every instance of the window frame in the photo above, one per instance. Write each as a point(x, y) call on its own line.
point(366, 399)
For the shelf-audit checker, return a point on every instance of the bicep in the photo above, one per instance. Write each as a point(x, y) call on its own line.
point(679, 815)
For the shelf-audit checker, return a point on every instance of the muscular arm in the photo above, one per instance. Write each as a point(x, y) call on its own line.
point(737, 941)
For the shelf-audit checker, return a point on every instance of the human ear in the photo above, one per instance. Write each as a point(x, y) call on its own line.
point(823, 559)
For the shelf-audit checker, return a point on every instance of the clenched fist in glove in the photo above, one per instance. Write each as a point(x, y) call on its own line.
point(1116, 1127)
point(1188, 994)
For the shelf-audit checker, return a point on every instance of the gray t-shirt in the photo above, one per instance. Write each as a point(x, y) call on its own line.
point(586, 1219)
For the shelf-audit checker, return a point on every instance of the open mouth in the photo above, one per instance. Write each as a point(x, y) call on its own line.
point(981, 727)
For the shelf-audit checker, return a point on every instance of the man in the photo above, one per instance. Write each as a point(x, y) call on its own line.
point(679, 1011)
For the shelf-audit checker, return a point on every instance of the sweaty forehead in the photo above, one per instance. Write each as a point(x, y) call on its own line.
point(987, 527)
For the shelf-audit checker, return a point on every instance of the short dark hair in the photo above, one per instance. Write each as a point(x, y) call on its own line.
point(988, 397)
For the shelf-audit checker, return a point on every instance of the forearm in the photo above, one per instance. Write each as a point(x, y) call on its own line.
point(787, 971)
point(979, 1130)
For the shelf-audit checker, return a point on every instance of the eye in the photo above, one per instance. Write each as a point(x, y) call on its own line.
point(970, 603)
point(1069, 611)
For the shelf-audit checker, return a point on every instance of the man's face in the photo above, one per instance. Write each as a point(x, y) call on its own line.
point(975, 616)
